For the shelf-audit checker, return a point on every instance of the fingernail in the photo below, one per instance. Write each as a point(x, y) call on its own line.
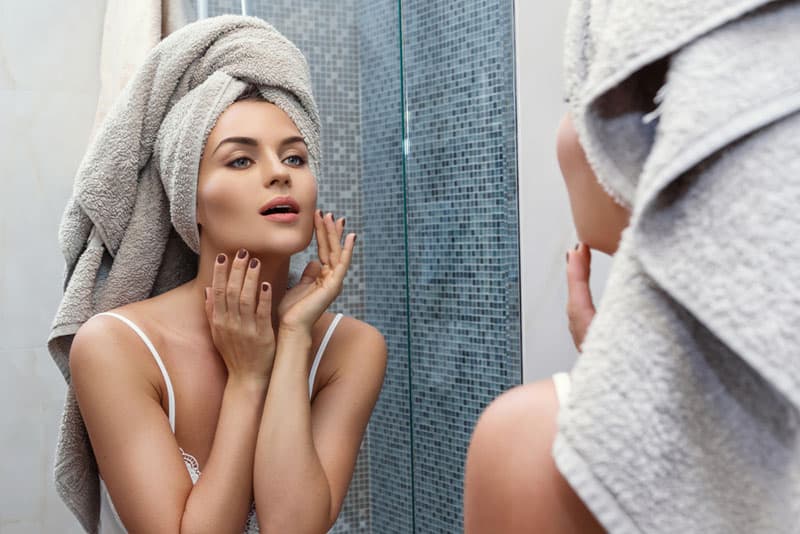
point(343, 221)
point(253, 263)
point(242, 253)
point(577, 246)
point(205, 292)
point(333, 217)
point(319, 212)
point(567, 257)
point(355, 236)
point(221, 258)
point(264, 286)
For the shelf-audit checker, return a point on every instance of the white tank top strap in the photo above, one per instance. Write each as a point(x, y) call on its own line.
point(562, 383)
point(320, 352)
point(157, 358)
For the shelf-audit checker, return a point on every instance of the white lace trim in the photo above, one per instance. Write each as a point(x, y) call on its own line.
point(191, 465)
point(251, 526)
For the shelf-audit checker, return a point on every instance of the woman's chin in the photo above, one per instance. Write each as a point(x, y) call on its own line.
point(287, 248)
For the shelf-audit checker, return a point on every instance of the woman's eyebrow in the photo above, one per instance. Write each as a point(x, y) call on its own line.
point(240, 140)
point(293, 139)
point(253, 142)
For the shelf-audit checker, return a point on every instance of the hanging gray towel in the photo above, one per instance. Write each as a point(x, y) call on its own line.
point(683, 415)
point(129, 230)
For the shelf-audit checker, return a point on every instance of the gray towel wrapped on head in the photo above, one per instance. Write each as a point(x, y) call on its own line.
point(683, 415)
point(129, 230)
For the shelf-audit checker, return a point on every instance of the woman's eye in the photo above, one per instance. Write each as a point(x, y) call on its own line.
point(240, 163)
point(295, 161)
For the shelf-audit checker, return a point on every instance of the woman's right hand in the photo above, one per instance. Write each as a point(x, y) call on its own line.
point(580, 308)
point(239, 313)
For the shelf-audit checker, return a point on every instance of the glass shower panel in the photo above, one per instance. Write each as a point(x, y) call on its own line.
point(385, 253)
point(462, 228)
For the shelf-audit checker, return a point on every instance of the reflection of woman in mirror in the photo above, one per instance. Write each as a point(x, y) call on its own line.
point(231, 393)
point(520, 425)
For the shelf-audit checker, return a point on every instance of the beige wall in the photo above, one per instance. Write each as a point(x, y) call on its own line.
point(49, 53)
point(546, 230)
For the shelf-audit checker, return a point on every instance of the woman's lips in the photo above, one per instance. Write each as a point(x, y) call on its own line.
point(282, 217)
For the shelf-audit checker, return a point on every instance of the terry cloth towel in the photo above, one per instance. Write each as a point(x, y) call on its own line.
point(129, 229)
point(683, 415)
point(130, 31)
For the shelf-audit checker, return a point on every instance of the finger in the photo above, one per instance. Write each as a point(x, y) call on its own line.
point(322, 238)
point(580, 306)
point(309, 277)
point(347, 255)
point(340, 232)
point(208, 306)
point(248, 298)
point(218, 283)
point(305, 286)
point(208, 303)
point(264, 309)
point(233, 289)
point(334, 240)
point(311, 272)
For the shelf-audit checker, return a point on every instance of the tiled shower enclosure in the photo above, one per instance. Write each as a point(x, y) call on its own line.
point(419, 152)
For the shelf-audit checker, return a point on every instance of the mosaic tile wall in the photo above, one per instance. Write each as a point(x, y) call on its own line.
point(327, 34)
point(463, 248)
point(391, 474)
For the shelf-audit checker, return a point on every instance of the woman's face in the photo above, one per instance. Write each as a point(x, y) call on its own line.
point(255, 189)
point(599, 220)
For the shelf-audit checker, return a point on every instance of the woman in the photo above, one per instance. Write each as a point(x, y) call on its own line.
point(239, 395)
point(511, 482)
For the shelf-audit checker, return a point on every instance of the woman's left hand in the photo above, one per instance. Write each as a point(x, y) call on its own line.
point(322, 280)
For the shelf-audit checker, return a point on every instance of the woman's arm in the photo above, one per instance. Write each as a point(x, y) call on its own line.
point(115, 380)
point(304, 456)
point(137, 453)
point(306, 453)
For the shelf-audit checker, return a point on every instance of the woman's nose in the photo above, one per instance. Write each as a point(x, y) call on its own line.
point(277, 175)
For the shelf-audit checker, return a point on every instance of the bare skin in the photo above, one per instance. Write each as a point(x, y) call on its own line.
point(511, 482)
point(238, 360)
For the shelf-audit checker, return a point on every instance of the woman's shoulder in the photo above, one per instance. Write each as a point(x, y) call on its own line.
point(354, 344)
point(151, 315)
point(527, 410)
point(510, 474)
point(101, 341)
point(352, 333)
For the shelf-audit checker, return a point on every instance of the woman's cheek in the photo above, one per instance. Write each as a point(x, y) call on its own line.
point(220, 203)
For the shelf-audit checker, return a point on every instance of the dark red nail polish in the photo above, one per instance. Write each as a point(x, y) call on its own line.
point(221, 258)
point(577, 246)
point(253, 263)
point(242, 253)
point(343, 221)
point(567, 257)
point(264, 286)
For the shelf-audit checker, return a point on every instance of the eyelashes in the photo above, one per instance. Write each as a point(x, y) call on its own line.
point(299, 160)
point(293, 161)
point(233, 165)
